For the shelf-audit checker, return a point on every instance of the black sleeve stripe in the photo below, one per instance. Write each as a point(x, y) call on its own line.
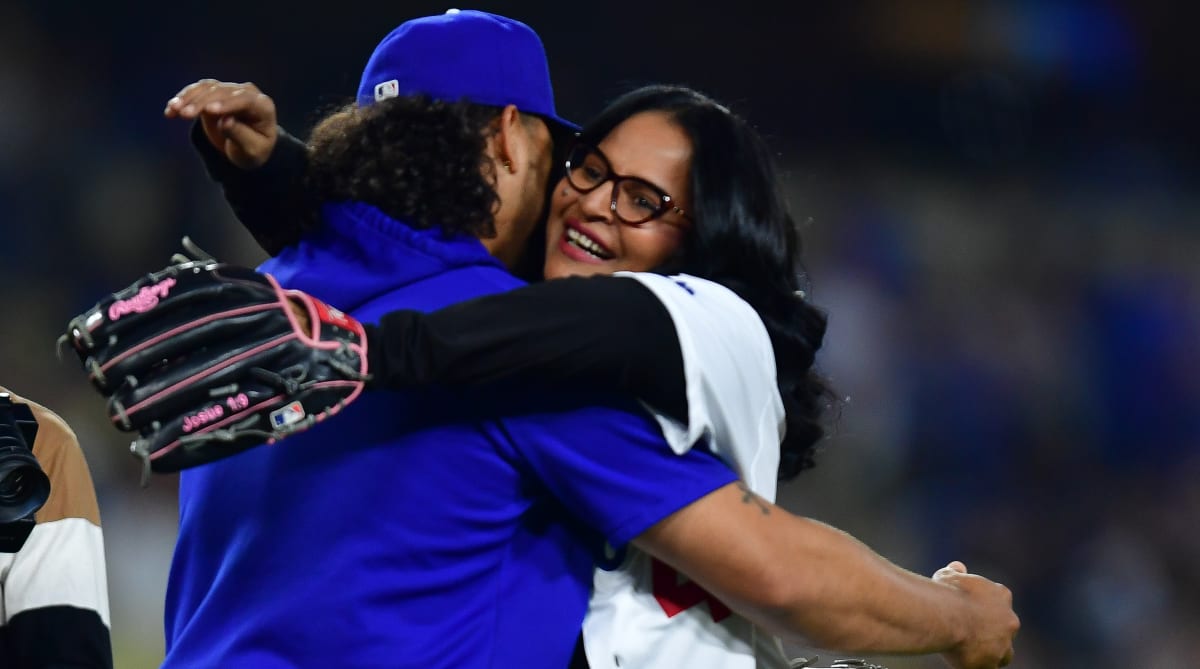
point(56, 637)
point(604, 332)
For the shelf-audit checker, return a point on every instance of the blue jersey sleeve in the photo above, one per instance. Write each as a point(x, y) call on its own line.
point(609, 464)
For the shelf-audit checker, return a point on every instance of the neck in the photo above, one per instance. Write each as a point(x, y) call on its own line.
point(502, 250)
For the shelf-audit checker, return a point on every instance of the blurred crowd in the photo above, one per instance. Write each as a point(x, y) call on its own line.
point(1000, 218)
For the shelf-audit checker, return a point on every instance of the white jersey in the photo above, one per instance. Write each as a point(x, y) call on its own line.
point(642, 613)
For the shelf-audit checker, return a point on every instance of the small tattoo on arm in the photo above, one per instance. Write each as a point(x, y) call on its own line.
point(748, 497)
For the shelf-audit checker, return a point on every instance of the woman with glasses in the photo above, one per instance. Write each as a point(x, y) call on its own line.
point(677, 279)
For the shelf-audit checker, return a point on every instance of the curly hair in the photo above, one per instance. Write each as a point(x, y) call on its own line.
point(418, 160)
point(745, 239)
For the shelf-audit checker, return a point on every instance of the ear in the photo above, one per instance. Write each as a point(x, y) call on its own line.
point(511, 141)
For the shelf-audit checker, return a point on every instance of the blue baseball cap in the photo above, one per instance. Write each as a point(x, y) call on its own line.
point(464, 54)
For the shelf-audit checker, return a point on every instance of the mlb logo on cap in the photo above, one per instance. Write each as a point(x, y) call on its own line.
point(388, 89)
point(288, 415)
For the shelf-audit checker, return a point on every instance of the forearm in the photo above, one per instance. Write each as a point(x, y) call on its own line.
point(606, 332)
point(804, 580)
point(852, 599)
point(269, 200)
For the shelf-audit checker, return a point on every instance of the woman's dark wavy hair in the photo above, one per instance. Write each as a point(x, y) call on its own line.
point(743, 238)
point(418, 160)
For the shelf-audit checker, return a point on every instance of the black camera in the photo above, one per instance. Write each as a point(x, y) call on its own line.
point(24, 487)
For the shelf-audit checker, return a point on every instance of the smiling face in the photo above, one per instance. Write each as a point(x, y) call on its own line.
point(584, 235)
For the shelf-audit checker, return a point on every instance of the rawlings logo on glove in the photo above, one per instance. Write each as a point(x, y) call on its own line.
point(144, 301)
point(204, 360)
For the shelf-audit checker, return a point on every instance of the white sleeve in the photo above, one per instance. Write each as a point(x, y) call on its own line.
point(729, 365)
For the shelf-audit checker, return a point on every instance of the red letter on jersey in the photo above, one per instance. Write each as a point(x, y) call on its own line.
point(675, 597)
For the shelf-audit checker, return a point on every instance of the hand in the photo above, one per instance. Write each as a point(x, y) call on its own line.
point(202, 360)
point(301, 313)
point(991, 623)
point(238, 119)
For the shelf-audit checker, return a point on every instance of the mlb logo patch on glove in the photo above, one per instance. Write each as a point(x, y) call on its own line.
point(203, 360)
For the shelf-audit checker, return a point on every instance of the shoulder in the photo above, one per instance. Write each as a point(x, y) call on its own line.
point(697, 302)
point(711, 319)
point(55, 438)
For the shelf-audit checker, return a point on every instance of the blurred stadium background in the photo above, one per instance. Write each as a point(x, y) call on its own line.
point(1001, 212)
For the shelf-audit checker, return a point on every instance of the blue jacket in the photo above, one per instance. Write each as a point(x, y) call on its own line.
point(415, 529)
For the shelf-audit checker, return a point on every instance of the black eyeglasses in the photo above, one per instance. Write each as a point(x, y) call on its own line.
point(634, 201)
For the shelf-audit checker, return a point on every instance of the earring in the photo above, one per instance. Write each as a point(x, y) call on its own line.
point(508, 166)
point(566, 192)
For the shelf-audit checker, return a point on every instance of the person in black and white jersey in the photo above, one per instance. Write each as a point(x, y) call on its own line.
point(54, 604)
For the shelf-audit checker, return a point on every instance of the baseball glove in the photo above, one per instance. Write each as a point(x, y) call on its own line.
point(203, 360)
